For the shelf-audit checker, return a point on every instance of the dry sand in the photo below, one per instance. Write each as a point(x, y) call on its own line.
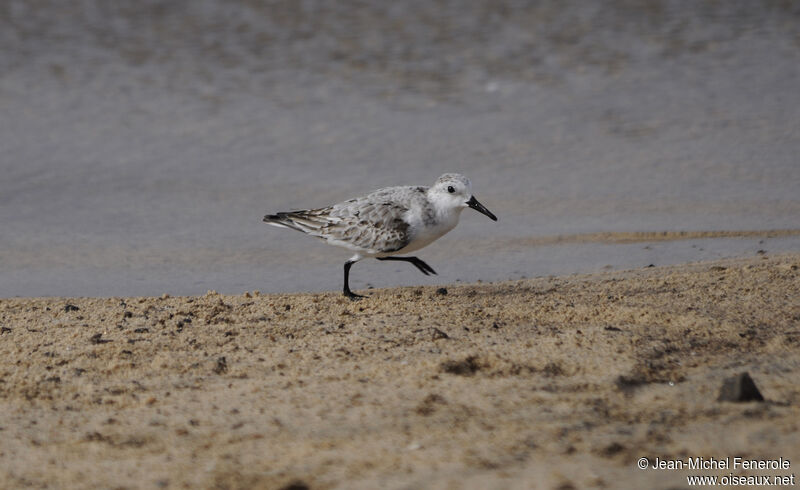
point(552, 382)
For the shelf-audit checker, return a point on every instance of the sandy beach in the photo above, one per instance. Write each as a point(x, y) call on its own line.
point(642, 158)
point(554, 382)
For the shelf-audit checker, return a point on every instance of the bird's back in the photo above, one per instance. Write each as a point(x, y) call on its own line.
point(373, 224)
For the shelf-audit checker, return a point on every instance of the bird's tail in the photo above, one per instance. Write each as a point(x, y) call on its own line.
point(281, 220)
point(307, 221)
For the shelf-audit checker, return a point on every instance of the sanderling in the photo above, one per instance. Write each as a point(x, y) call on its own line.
point(387, 222)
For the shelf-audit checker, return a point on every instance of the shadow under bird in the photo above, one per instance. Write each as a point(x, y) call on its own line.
point(387, 222)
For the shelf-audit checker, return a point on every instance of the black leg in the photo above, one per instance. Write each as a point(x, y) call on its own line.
point(419, 264)
point(346, 289)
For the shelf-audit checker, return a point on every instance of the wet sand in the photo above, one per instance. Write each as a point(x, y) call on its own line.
point(143, 145)
point(555, 382)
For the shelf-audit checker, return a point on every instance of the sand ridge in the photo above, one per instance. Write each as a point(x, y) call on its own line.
point(558, 381)
point(651, 236)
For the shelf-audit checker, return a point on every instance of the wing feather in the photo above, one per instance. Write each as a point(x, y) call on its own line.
point(373, 223)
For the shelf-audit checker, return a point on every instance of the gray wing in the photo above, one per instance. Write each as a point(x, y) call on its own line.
point(372, 223)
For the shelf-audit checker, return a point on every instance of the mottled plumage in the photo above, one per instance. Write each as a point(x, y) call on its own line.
point(388, 221)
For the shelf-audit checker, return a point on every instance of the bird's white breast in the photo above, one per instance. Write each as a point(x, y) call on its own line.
point(428, 226)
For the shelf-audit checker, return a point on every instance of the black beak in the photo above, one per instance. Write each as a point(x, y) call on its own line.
point(474, 204)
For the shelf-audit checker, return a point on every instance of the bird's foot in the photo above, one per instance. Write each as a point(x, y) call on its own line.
point(353, 296)
point(422, 266)
point(417, 262)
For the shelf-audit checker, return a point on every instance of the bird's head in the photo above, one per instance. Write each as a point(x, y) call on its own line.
point(454, 191)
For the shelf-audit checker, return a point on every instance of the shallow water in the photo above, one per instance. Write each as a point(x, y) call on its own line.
point(141, 144)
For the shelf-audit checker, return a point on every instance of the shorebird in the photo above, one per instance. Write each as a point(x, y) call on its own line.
point(387, 222)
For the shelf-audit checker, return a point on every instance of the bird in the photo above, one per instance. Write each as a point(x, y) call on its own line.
point(388, 223)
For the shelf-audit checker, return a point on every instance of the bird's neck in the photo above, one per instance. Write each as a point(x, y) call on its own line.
point(448, 217)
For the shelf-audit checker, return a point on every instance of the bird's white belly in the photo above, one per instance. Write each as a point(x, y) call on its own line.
point(425, 235)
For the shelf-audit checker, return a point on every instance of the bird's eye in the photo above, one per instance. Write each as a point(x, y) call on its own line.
point(450, 189)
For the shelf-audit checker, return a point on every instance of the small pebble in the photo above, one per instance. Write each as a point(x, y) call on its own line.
point(98, 339)
point(221, 366)
point(740, 388)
